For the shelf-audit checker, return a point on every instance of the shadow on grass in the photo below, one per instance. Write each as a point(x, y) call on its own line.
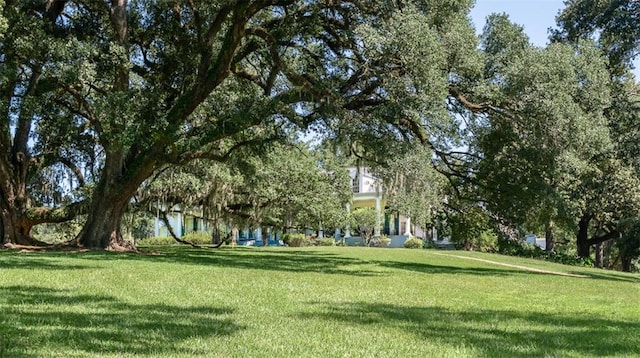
point(442, 269)
point(38, 261)
point(286, 260)
point(609, 276)
point(250, 258)
point(495, 333)
point(38, 321)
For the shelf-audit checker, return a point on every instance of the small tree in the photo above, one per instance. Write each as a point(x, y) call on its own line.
point(365, 220)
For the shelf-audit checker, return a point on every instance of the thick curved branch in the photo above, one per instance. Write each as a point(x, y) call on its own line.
point(222, 157)
point(74, 168)
point(456, 93)
point(165, 220)
point(606, 237)
point(42, 215)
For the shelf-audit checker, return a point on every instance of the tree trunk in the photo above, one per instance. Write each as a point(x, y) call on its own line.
point(582, 241)
point(607, 254)
point(102, 229)
point(549, 238)
point(15, 225)
point(626, 263)
point(109, 201)
point(15, 228)
point(599, 255)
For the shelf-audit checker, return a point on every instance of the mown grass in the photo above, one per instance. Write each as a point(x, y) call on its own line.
point(310, 302)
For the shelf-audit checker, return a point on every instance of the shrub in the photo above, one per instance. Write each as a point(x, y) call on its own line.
point(325, 241)
point(298, 240)
point(198, 237)
point(158, 240)
point(487, 241)
point(383, 241)
point(414, 243)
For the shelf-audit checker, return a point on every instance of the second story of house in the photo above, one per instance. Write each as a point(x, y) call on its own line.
point(363, 181)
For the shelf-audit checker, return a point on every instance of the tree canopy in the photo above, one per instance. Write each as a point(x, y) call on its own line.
point(152, 84)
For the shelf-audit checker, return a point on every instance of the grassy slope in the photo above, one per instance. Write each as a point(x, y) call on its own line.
point(329, 302)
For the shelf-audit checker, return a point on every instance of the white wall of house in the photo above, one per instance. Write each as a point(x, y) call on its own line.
point(362, 181)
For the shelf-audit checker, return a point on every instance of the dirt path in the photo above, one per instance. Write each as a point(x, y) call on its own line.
point(524, 268)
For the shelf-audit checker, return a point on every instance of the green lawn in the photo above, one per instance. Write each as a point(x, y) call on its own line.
point(311, 302)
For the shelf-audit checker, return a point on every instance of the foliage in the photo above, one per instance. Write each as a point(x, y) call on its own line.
point(158, 240)
point(279, 187)
point(487, 241)
point(384, 241)
point(414, 243)
point(297, 240)
point(198, 237)
point(412, 186)
point(292, 186)
point(3, 25)
point(471, 228)
point(324, 241)
point(41, 180)
point(613, 23)
point(137, 225)
point(195, 237)
point(521, 249)
point(546, 155)
point(113, 94)
point(58, 233)
point(366, 220)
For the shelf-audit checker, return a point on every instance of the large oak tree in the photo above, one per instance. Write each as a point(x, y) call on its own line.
point(157, 83)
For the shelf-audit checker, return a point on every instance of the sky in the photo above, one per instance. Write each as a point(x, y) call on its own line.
point(537, 16)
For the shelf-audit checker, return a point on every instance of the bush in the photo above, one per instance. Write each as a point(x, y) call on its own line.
point(383, 241)
point(297, 240)
point(325, 241)
point(158, 240)
point(487, 241)
point(414, 243)
point(198, 237)
point(522, 249)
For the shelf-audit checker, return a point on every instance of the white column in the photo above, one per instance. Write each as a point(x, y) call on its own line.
point(347, 229)
point(376, 230)
point(407, 228)
point(320, 231)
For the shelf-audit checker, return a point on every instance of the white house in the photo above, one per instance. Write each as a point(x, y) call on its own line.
point(368, 192)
